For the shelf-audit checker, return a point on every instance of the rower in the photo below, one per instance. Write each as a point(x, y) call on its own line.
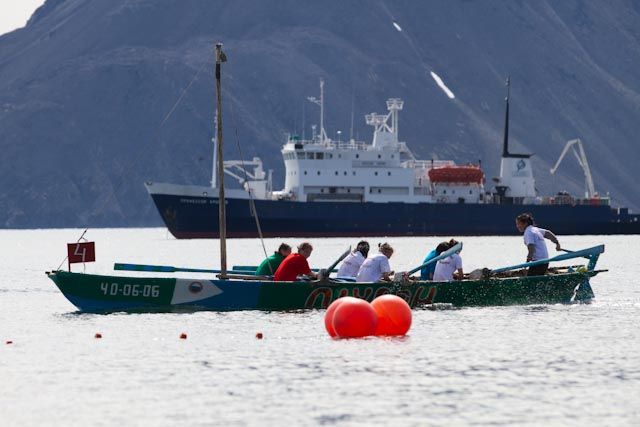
point(449, 268)
point(534, 239)
point(352, 263)
point(295, 265)
point(426, 272)
point(270, 264)
point(377, 267)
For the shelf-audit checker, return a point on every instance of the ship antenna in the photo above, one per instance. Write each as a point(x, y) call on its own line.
point(320, 102)
point(353, 97)
point(323, 133)
point(220, 58)
point(303, 123)
point(505, 143)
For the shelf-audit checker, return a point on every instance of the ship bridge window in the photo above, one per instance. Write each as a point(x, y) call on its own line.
point(309, 155)
point(330, 156)
point(388, 173)
point(357, 156)
point(376, 173)
point(319, 156)
point(379, 156)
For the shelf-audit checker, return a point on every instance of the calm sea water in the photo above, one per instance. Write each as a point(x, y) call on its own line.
point(524, 365)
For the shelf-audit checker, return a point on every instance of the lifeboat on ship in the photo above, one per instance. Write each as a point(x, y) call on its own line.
point(457, 174)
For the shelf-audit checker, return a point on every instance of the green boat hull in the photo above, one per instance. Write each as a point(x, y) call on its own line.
point(100, 293)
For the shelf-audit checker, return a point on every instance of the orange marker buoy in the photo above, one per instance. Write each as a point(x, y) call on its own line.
point(183, 336)
point(98, 335)
point(259, 335)
point(354, 318)
point(328, 316)
point(394, 315)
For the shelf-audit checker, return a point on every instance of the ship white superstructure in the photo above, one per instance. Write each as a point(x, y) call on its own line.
point(384, 171)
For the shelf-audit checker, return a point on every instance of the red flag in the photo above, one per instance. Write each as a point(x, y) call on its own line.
point(81, 252)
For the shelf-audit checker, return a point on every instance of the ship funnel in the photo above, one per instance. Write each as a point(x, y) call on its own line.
point(505, 141)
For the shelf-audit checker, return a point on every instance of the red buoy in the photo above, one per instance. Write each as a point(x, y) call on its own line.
point(183, 336)
point(328, 316)
point(394, 315)
point(354, 318)
point(9, 342)
point(98, 335)
point(259, 335)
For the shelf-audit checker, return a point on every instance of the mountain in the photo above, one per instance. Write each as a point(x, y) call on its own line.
point(98, 96)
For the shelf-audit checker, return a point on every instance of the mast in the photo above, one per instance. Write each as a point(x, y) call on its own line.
point(220, 58)
point(214, 170)
point(353, 101)
point(323, 134)
point(320, 102)
point(505, 143)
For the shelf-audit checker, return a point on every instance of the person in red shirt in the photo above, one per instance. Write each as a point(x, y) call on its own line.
point(295, 265)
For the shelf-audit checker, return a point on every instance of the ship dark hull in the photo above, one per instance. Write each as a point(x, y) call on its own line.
point(197, 217)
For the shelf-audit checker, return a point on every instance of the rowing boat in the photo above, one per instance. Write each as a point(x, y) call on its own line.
point(102, 293)
point(240, 289)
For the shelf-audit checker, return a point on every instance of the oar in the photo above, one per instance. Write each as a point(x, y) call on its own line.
point(168, 269)
point(254, 268)
point(587, 253)
point(327, 272)
point(455, 248)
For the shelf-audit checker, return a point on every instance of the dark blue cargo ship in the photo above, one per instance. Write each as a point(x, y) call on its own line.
point(351, 188)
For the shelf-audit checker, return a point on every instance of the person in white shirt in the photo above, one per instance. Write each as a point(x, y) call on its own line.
point(536, 246)
point(352, 263)
point(449, 268)
point(377, 267)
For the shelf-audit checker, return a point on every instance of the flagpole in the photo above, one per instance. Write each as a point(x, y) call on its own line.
point(220, 58)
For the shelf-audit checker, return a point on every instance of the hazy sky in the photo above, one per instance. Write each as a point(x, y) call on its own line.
point(15, 13)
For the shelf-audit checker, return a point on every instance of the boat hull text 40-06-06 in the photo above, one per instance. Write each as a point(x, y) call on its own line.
point(93, 293)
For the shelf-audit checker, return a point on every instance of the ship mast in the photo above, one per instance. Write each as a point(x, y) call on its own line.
point(220, 58)
point(505, 142)
point(320, 102)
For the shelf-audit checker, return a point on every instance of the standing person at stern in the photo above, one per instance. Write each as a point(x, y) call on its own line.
point(534, 240)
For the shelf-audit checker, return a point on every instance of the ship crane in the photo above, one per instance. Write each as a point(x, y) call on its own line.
point(589, 188)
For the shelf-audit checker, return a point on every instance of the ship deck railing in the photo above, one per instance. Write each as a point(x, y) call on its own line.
point(426, 164)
